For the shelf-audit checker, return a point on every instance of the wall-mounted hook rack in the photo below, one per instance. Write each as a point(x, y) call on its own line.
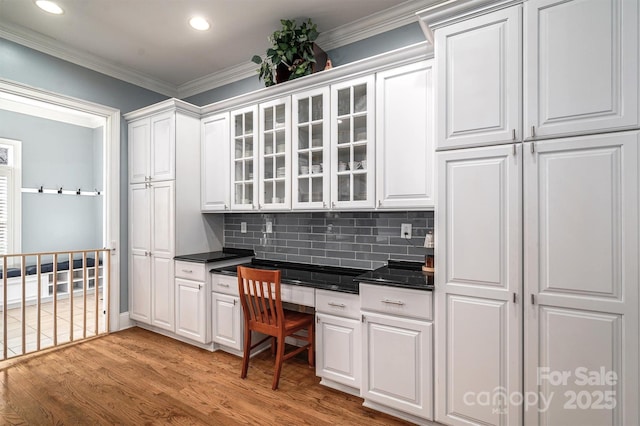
point(60, 190)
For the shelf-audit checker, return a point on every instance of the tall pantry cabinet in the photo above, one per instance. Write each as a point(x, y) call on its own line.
point(164, 206)
point(537, 221)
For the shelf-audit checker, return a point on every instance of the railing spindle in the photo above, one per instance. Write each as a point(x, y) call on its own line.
point(55, 299)
point(39, 302)
point(5, 271)
point(84, 295)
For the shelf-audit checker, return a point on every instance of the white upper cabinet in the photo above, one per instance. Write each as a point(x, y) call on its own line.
point(311, 150)
point(214, 152)
point(275, 155)
point(163, 147)
point(581, 66)
point(152, 143)
point(479, 74)
point(353, 143)
point(244, 158)
point(139, 145)
point(404, 134)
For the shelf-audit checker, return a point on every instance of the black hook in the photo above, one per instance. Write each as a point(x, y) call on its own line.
point(78, 191)
point(40, 190)
point(60, 190)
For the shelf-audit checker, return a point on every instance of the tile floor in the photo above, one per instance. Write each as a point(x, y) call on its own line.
point(64, 328)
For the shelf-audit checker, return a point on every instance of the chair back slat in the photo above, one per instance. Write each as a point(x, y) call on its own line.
point(259, 291)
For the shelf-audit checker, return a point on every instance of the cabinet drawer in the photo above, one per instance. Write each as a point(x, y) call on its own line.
point(397, 301)
point(191, 270)
point(336, 303)
point(297, 294)
point(225, 284)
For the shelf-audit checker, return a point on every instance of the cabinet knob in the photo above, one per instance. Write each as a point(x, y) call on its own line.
point(379, 203)
point(333, 204)
point(533, 131)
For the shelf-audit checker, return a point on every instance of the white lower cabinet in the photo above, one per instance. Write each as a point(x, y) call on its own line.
point(191, 311)
point(227, 321)
point(338, 341)
point(397, 347)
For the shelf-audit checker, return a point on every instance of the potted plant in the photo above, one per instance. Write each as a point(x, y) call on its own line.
point(292, 54)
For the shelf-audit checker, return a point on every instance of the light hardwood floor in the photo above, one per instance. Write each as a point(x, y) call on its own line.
point(137, 377)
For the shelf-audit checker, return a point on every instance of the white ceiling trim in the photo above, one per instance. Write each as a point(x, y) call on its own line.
point(361, 29)
point(49, 46)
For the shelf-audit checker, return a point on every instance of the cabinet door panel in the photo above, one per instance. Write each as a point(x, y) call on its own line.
point(479, 80)
point(139, 216)
point(405, 130)
point(581, 272)
point(215, 184)
point(140, 288)
point(338, 349)
point(163, 147)
point(480, 246)
point(311, 142)
point(191, 305)
point(397, 363)
point(162, 294)
point(353, 143)
point(275, 155)
point(572, 89)
point(244, 158)
point(139, 141)
point(163, 218)
point(227, 320)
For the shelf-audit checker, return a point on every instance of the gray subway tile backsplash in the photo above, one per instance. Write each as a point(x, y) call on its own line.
point(363, 240)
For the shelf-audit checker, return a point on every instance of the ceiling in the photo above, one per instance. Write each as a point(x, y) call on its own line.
point(150, 43)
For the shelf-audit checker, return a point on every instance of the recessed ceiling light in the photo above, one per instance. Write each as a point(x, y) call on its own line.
point(49, 6)
point(199, 23)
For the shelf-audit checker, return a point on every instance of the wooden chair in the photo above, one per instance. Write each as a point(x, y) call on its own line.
point(263, 312)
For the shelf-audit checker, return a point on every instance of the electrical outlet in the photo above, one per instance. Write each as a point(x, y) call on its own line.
point(405, 231)
point(243, 227)
point(269, 227)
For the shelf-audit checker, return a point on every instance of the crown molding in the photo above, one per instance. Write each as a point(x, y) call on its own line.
point(388, 60)
point(49, 46)
point(378, 23)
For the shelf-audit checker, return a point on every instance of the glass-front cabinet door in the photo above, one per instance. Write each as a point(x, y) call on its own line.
point(275, 155)
point(311, 165)
point(353, 144)
point(244, 125)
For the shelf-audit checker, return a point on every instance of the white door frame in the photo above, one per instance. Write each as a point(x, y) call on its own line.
point(58, 106)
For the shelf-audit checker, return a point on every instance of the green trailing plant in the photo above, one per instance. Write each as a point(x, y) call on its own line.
point(291, 53)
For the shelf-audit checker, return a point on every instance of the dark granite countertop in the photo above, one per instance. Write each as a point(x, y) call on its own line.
point(346, 280)
point(216, 256)
point(400, 274)
point(315, 276)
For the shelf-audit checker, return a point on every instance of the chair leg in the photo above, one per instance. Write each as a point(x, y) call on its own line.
point(247, 351)
point(279, 360)
point(312, 345)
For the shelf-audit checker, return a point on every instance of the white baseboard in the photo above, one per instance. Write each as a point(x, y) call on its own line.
point(124, 321)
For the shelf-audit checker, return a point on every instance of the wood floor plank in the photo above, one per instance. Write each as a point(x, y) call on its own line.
point(138, 377)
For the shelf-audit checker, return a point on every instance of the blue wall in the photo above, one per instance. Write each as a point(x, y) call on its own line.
point(55, 155)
